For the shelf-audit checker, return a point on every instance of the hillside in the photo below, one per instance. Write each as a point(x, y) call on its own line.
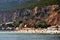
point(31, 10)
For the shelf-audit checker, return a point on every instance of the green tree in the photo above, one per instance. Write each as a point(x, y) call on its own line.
point(41, 25)
point(17, 23)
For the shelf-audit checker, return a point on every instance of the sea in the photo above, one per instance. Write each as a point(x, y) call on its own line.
point(28, 36)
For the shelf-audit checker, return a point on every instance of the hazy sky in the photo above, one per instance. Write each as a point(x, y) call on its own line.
point(5, 4)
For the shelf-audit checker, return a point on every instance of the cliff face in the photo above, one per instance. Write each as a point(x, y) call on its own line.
point(49, 14)
point(53, 16)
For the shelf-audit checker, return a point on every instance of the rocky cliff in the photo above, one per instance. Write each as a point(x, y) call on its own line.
point(49, 14)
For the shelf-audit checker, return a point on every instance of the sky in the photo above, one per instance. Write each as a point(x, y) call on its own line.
point(6, 4)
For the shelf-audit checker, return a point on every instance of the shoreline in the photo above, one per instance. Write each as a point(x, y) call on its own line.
point(39, 30)
point(32, 30)
point(18, 32)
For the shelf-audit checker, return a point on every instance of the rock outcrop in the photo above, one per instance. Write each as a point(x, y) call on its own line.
point(53, 16)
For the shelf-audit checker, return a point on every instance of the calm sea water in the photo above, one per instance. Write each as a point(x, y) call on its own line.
point(28, 36)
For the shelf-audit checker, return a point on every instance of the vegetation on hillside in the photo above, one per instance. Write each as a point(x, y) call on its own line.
point(40, 3)
point(32, 4)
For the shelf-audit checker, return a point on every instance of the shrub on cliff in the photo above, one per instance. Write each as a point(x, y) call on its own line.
point(41, 26)
point(16, 24)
